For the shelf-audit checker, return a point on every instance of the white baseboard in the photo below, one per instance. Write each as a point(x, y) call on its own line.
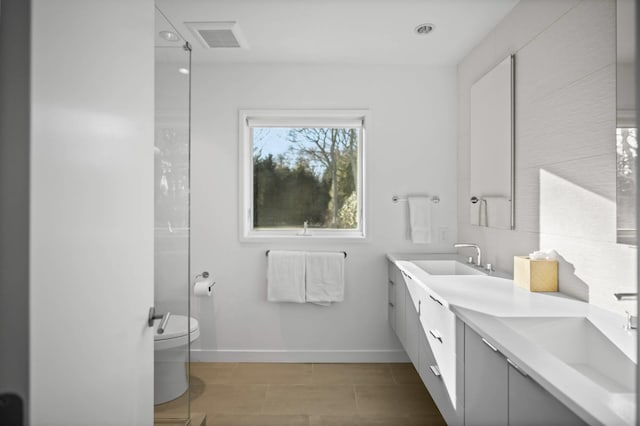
point(363, 356)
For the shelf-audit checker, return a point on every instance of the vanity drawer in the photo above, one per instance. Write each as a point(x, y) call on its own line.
point(396, 289)
point(431, 376)
point(438, 321)
point(414, 288)
point(391, 291)
point(439, 325)
point(391, 315)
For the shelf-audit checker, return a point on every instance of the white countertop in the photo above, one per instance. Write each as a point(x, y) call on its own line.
point(481, 302)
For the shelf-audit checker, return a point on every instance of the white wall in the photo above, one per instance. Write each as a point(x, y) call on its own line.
point(565, 144)
point(91, 219)
point(411, 149)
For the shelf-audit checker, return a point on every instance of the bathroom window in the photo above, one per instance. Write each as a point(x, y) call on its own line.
point(626, 176)
point(302, 173)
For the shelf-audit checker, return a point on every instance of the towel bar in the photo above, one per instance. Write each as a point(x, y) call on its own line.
point(395, 199)
point(344, 252)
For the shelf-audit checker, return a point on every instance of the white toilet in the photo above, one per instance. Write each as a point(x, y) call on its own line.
point(170, 351)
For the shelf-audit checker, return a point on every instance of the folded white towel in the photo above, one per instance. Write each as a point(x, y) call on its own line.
point(285, 276)
point(497, 212)
point(420, 219)
point(325, 277)
point(476, 214)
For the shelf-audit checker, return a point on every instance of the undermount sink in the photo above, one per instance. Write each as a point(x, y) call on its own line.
point(446, 267)
point(581, 345)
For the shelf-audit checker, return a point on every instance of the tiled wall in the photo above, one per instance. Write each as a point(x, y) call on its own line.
point(565, 144)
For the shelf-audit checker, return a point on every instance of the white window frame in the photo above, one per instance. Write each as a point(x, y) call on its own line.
point(301, 118)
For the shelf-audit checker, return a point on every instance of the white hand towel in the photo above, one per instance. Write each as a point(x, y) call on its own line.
point(498, 212)
point(285, 276)
point(325, 277)
point(420, 219)
point(483, 212)
point(475, 213)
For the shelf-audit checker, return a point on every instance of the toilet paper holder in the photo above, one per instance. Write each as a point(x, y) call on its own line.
point(205, 275)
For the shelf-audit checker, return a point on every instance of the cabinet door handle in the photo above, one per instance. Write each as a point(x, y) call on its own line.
point(391, 282)
point(419, 307)
point(436, 300)
point(391, 304)
point(493, 348)
point(517, 367)
point(436, 335)
point(435, 370)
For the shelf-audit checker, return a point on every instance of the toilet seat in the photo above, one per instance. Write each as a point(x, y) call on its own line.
point(175, 334)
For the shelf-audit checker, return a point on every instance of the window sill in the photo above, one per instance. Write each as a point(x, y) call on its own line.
point(296, 235)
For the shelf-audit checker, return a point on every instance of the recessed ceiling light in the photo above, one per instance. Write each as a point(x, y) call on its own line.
point(184, 71)
point(169, 35)
point(424, 29)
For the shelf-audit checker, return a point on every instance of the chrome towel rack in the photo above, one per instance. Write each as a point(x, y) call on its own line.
point(395, 199)
point(343, 252)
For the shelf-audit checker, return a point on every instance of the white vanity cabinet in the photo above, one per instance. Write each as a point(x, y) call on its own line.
point(486, 382)
point(412, 307)
point(439, 325)
point(497, 393)
point(442, 372)
point(466, 334)
point(396, 302)
point(432, 378)
point(414, 301)
point(404, 311)
point(413, 330)
point(529, 403)
point(391, 304)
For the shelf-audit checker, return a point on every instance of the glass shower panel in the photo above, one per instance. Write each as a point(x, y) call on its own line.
point(172, 231)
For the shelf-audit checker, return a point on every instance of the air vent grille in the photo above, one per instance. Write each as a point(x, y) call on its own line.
point(219, 38)
point(216, 35)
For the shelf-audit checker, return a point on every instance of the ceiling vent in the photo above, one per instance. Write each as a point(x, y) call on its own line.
point(218, 35)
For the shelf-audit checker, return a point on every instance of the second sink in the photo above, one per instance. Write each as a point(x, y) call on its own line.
point(581, 345)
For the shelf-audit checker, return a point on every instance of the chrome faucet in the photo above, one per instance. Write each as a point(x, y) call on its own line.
point(305, 229)
point(475, 246)
point(632, 320)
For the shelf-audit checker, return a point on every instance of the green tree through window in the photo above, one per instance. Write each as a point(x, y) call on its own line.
point(307, 174)
point(626, 172)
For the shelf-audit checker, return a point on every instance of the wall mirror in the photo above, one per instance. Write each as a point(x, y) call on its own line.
point(626, 123)
point(492, 147)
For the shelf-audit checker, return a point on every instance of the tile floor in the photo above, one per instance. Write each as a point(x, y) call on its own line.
point(267, 394)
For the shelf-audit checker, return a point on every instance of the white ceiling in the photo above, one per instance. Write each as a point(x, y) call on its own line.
point(339, 31)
